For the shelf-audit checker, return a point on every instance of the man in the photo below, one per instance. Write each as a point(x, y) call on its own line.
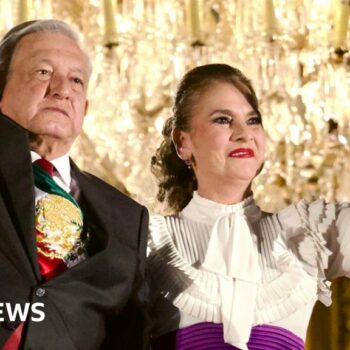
point(72, 248)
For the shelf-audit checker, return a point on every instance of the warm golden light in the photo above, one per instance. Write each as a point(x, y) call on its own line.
point(295, 52)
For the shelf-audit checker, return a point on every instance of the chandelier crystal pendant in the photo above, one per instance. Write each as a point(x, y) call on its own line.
point(295, 53)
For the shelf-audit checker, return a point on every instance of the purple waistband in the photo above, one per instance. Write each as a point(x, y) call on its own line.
point(209, 336)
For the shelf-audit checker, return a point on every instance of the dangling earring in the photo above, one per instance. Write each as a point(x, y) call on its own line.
point(188, 163)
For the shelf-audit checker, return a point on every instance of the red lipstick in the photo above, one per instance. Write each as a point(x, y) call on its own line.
point(242, 153)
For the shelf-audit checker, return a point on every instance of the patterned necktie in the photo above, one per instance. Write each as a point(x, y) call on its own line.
point(58, 221)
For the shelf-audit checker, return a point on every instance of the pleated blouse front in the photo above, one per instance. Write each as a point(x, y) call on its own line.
point(235, 265)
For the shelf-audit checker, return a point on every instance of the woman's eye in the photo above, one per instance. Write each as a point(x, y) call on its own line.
point(223, 120)
point(255, 120)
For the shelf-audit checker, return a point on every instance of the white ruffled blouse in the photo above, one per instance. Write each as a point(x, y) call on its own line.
point(236, 265)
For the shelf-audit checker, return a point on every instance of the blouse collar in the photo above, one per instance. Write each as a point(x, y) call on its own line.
point(204, 210)
point(232, 255)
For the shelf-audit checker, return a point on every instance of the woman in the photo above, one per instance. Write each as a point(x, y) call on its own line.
point(224, 274)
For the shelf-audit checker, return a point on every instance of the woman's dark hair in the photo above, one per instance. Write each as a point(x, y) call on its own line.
point(176, 181)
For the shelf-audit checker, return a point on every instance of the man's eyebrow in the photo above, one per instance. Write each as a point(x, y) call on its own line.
point(49, 61)
point(36, 56)
point(79, 70)
point(36, 59)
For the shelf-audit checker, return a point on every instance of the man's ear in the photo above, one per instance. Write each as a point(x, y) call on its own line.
point(86, 106)
point(182, 143)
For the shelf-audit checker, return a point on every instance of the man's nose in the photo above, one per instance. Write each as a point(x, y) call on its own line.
point(59, 86)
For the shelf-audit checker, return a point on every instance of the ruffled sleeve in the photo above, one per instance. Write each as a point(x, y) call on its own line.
point(318, 234)
point(304, 228)
point(338, 237)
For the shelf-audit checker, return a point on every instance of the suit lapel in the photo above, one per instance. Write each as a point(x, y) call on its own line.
point(95, 208)
point(97, 213)
point(16, 172)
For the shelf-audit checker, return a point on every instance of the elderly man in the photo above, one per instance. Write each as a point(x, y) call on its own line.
point(72, 248)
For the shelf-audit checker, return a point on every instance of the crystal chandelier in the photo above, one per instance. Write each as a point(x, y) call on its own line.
point(295, 52)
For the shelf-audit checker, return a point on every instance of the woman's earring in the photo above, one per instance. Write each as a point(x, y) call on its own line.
point(188, 163)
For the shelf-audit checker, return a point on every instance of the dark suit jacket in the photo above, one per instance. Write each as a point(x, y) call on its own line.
point(95, 304)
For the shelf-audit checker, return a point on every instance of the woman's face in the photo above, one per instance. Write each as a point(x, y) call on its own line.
point(226, 138)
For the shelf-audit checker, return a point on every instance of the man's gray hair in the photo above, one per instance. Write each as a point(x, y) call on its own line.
point(10, 41)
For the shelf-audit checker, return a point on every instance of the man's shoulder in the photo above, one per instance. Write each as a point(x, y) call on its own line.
point(5, 121)
point(105, 189)
point(7, 125)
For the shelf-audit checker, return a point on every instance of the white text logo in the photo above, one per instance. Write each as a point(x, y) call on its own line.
point(16, 310)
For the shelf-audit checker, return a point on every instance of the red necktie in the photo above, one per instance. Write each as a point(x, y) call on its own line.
point(46, 166)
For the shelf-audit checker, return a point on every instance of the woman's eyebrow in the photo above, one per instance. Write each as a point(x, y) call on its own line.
point(231, 113)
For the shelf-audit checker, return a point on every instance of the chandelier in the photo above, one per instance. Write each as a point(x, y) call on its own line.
point(295, 52)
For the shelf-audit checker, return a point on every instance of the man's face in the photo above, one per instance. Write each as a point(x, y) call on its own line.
point(46, 87)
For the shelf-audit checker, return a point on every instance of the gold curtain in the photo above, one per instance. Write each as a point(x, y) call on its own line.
point(330, 327)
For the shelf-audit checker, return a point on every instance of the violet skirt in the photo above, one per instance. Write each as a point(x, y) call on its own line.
point(209, 336)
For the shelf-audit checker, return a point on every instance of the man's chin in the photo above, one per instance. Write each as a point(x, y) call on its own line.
point(57, 136)
point(50, 145)
point(53, 130)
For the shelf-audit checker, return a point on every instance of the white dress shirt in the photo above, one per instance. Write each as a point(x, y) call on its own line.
point(61, 174)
